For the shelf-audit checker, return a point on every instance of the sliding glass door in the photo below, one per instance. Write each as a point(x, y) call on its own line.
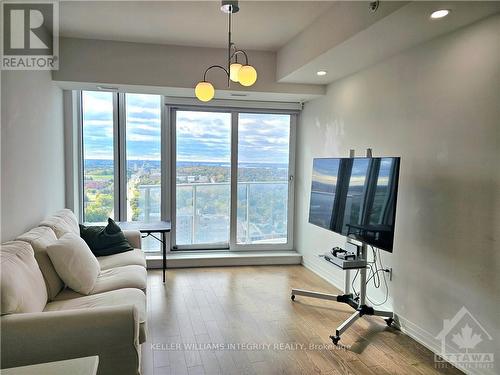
point(263, 178)
point(202, 179)
point(232, 178)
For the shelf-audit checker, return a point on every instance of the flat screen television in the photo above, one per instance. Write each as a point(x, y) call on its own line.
point(356, 197)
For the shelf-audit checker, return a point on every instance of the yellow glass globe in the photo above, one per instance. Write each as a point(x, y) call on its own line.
point(234, 69)
point(204, 91)
point(247, 75)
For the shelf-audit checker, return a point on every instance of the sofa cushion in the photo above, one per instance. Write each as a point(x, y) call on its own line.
point(23, 288)
point(121, 277)
point(112, 298)
point(128, 296)
point(106, 240)
point(129, 258)
point(112, 279)
point(133, 237)
point(39, 238)
point(74, 263)
point(62, 222)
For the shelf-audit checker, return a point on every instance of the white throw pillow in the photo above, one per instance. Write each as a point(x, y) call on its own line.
point(40, 238)
point(22, 286)
point(75, 263)
point(62, 222)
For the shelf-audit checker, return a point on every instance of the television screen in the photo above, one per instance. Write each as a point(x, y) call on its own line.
point(356, 197)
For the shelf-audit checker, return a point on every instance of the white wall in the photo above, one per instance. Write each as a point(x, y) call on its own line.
point(32, 175)
point(334, 27)
point(154, 65)
point(438, 107)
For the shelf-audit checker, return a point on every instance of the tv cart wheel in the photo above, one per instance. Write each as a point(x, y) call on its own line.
point(389, 321)
point(293, 297)
point(335, 340)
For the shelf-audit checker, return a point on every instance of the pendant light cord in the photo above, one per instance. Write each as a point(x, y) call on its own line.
point(229, 46)
point(246, 74)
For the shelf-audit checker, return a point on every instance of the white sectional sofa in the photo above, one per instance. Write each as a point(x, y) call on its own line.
point(44, 321)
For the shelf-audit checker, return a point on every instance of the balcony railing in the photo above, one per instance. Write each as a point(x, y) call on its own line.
point(203, 211)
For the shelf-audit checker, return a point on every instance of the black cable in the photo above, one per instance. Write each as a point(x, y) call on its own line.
point(352, 283)
point(374, 257)
point(382, 269)
point(375, 275)
point(375, 283)
point(386, 293)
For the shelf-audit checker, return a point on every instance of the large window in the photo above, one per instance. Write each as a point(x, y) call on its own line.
point(121, 149)
point(224, 177)
point(232, 192)
point(143, 148)
point(263, 174)
point(98, 156)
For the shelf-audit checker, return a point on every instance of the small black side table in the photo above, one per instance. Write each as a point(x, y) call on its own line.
point(161, 227)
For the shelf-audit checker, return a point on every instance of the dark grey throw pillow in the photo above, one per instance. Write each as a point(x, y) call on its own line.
point(106, 240)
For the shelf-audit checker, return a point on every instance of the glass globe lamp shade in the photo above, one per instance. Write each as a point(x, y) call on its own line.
point(234, 69)
point(247, 75)
point(204, 91)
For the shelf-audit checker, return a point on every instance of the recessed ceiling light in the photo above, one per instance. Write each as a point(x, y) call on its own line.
point(440, 14)
point(321, 73)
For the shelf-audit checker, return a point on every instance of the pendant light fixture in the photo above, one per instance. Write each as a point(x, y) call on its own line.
point(244, 74)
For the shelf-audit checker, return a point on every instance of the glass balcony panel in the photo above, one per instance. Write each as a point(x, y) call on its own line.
point(262, 212)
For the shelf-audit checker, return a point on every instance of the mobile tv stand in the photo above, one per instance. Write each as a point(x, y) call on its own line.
point(356, 302)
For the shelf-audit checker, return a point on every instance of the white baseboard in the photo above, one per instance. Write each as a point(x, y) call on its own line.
point(221, 259)
point(428, 340)
point(409, 328)
point(326, 274)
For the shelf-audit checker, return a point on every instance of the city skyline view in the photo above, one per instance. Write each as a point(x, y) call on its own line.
point(203, 169)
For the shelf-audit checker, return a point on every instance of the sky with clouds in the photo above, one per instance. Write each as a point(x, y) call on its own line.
point(200, 136)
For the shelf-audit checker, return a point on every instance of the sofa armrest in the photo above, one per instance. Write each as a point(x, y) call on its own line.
point(134, 238)
point(112, 333)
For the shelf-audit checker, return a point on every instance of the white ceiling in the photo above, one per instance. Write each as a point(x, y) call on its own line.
point(262, 25)
point(402, 29)
point(338, 37)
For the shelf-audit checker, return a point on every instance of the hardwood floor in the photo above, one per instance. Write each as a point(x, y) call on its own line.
point(200, 308)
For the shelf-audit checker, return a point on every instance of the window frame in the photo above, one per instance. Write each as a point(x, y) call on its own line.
point(81, 160)
point(169, 106)
point(122, 106)
point(120, 158)
point(171, 111)
point(289, 245)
